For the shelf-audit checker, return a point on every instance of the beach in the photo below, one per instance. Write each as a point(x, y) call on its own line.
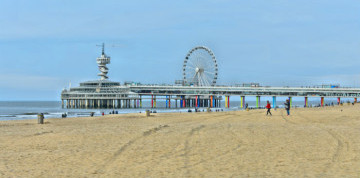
point(311, 142)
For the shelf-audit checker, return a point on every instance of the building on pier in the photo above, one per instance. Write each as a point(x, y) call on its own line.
point(101, 93)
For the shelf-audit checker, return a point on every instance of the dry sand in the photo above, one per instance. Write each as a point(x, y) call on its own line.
point(317, 142)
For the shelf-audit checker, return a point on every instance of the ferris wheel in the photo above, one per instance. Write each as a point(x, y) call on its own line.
point(200, 67)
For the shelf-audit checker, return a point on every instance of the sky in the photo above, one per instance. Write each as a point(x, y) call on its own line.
point(45, 45)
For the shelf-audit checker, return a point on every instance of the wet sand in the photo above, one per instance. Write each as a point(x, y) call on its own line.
point(314, 142)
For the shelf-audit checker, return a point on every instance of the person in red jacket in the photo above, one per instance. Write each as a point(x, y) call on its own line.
point(268, 107)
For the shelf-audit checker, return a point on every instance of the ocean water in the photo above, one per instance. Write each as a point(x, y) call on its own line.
point(19, 110)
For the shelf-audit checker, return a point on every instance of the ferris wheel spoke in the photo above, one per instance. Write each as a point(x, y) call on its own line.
point(211, 77)
point(199, 80)
point(190, 67)
point(203, 81)
point(195, 76)
point(190, 62)
point(197, 61)
point(206, 79)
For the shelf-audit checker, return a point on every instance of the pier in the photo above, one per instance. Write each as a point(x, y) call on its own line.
point(197, 91)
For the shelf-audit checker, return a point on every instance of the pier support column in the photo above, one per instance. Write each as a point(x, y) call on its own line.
point(196, 101)
point(306, 102)
point(211, 101)
point(322, 102)
point(257, 101)
point(140, 102)
point(169, 101)
point(228, 102)
point(166, 102)
point(290, 100)
point(152, 101)
point(274, 102)
point(184, 102)
point(225, 101)
point(339, 100)
point(242, 101)
point(181, 101)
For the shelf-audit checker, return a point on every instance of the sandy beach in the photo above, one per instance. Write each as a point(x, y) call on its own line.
point(314, 142)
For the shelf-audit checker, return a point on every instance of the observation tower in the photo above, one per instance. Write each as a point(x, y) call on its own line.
point(102, 61)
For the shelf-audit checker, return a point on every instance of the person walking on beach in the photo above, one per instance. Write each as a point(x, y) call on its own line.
point(268, 107)
point(287, 107)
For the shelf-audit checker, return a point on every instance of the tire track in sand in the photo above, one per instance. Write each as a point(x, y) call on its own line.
point(187, 149)
point(342, 145)
point(198, 129)
point(126, 145)
point(169, 155)
point(286, 120)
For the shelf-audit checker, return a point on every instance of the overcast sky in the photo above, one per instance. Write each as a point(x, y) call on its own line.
point(44, 45)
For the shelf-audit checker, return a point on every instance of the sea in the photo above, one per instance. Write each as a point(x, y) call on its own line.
point(20, 110)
